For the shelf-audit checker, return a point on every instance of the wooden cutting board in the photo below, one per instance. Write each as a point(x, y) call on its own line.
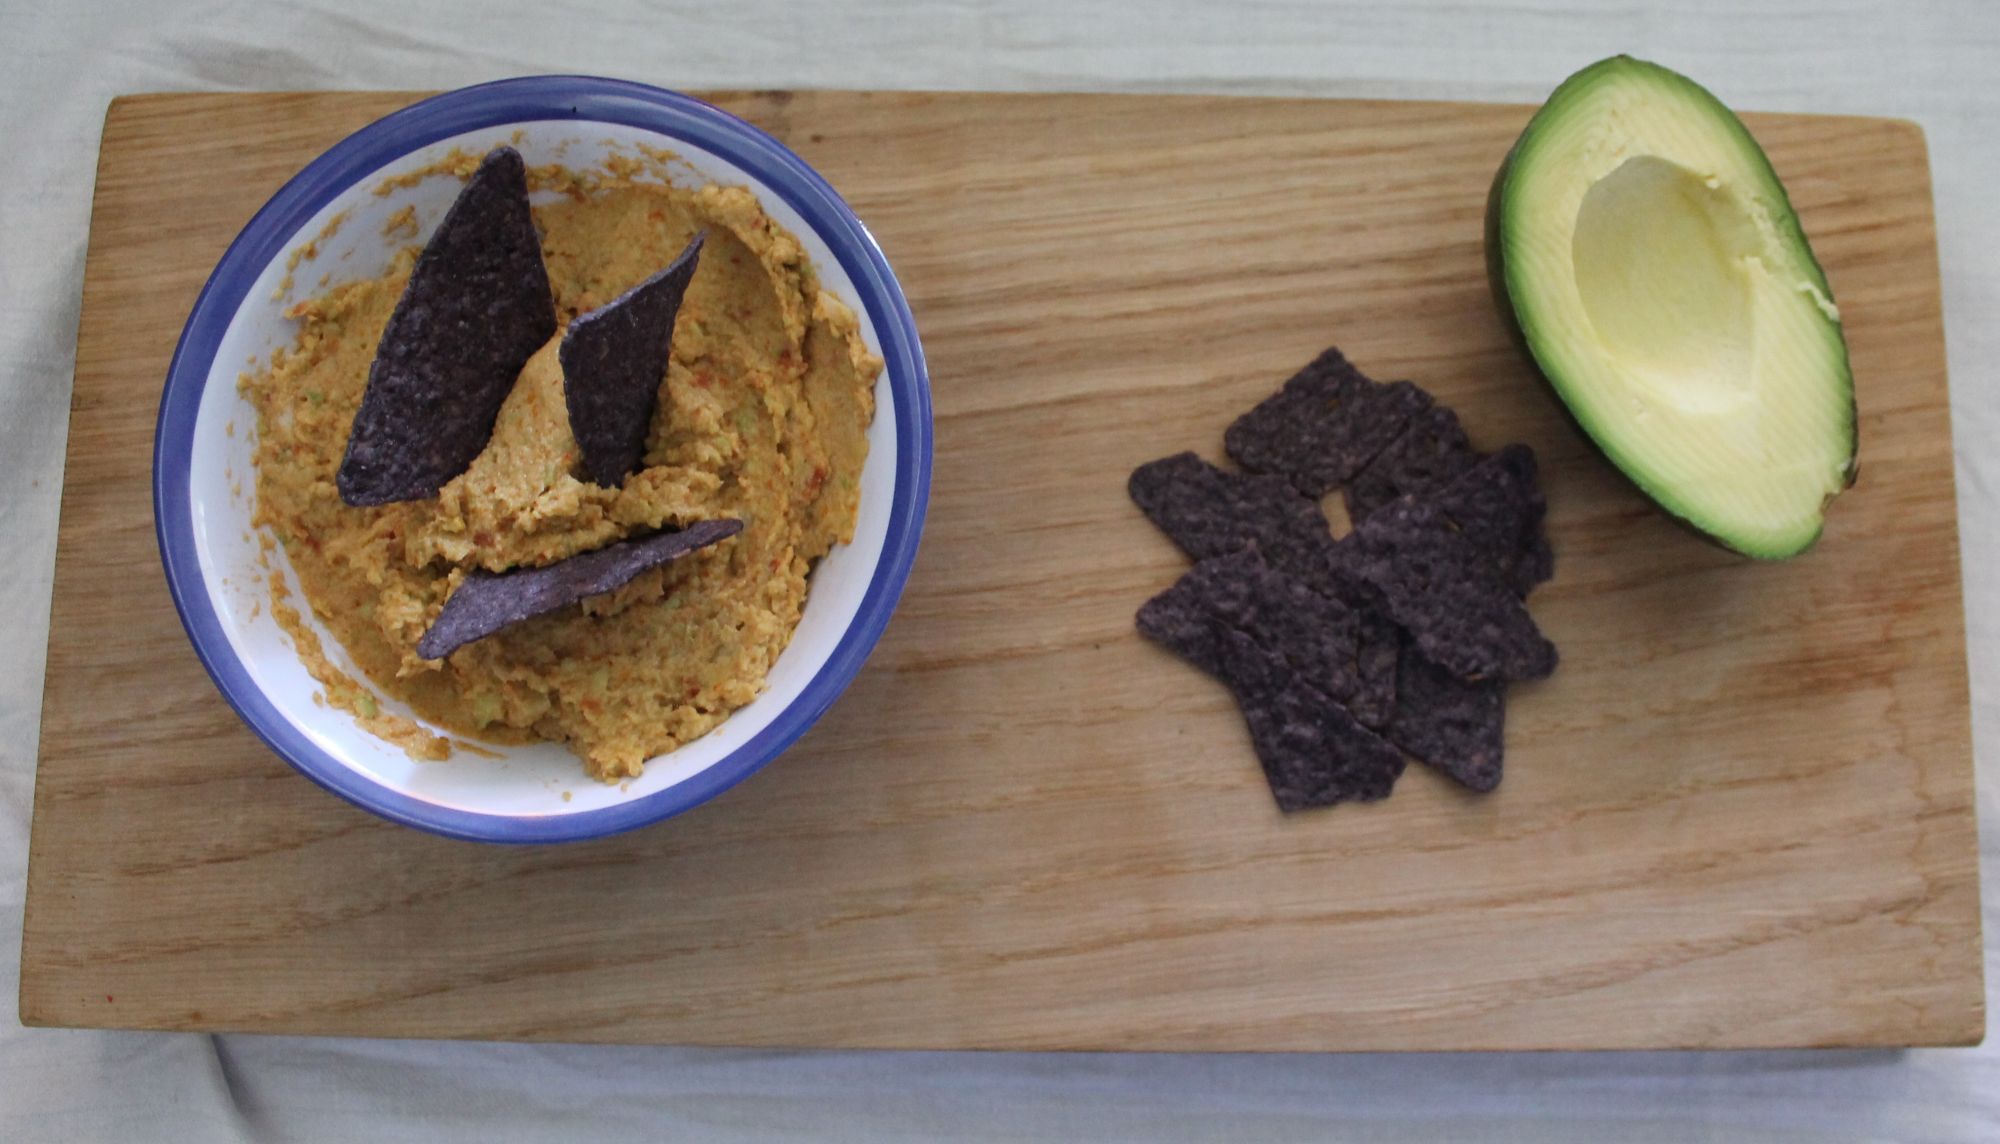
point(1741, 814)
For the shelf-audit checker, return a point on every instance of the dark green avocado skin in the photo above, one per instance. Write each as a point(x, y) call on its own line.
point(1496, 276)
point(1496, 280)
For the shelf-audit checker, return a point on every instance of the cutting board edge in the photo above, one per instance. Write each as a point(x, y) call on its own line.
point(1969, 1031)
point(128, 101)
point(31, 966)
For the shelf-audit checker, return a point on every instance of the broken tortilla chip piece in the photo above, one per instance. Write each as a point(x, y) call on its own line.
point(1431, 450)
point(1498, 508)
point(1446, 591)
point(1209, 513)
point(477, 306)
point(486, 602)
point(1318, 635)
point(614, 361)
point(1312, 750)
point(1456, 726)
point(1324, 426)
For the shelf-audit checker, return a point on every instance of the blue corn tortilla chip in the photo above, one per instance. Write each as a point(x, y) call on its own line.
point(1312, 750)
point(1378, 643)
point(486, 602)
point(1401, 635)
point(614, 361)
point(1454, 725)
point(1318, 636)
point(477, 306)
point(1497, 507)
point(1209, 512)
point(1324, 426)
point(1431, 450)
point(1446, 591)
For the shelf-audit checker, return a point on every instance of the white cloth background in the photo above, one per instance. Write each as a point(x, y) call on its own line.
point(61, 63)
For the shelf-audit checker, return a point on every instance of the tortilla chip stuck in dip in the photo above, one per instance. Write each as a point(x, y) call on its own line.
point(761, 418)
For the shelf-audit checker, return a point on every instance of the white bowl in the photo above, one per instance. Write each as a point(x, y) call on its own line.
point(204, 481)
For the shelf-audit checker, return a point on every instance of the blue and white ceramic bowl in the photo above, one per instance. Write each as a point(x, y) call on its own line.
point(204, 483)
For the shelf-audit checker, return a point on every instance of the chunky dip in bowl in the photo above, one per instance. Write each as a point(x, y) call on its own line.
point(794, 402)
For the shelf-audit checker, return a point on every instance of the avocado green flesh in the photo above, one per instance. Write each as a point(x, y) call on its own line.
point(1658, 277)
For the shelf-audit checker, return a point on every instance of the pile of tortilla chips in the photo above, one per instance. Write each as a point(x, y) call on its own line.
point(1398, 637)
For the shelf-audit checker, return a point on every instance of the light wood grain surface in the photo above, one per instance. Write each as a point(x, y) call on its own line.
point(1741, 814)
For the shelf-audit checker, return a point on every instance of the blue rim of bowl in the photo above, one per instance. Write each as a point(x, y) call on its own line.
point(590, 99)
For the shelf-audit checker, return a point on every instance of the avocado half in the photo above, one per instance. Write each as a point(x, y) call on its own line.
point(1653, 268)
